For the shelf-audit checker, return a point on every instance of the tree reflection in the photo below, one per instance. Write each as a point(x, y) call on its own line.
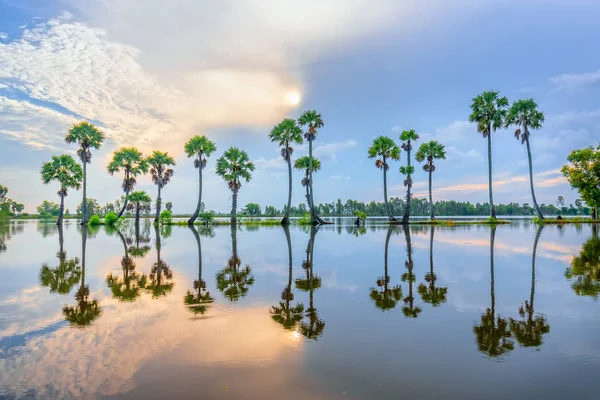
point(233, 281)
point(493, 336)
point(530, 330)
point(409, 309)
point(128, 288)
point(584, 271)
point(386, 298)
point(312, 327)
point(198, 301)
point(67, 274)
point(7, 230)
point(138, 247)
point(160, 280)
point(86, 310)
point(286, 314)
point(430, 293)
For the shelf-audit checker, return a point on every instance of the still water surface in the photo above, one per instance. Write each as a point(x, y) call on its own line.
point(263, 312)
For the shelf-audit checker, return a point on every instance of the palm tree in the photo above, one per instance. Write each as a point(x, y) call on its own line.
point(159, 164)
point(130, 287)
point(232, 281)
point(525, 115)
point(138, 197)
point(233, 166)
point(313, 328)
point(285, 314)
point(66, 275)
point(160, 274)
point(529, 332)
point(387, 298)
point(383, 147)
point(198, 301)
point(488, 111)
point(432, 294)
point(493, 336)
point(67, 172)
point(199, 147)
point(131, 161)
point(313, 121)
point(286, 133)
point(88, 137)
point(585, 268)
point(303, 163)
point(430, 151)
point(407, 137)
point(86, 311)
point(409, 310)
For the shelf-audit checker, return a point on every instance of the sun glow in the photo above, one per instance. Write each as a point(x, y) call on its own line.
point(293, 98)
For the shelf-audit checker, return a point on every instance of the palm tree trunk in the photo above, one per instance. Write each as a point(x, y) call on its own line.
point(61, 242)
point(431, 213)
point(137, 215)
point(157, 245)
point(234, 206)
point(127, 188)
point(286, 217)
point(62, 206)
point(234, 241)
point(406, 216)
point(385, 257)
point(385, 197)
point(489, 140)
point(157, 204)
point(84, 218)
point(535, 203)
point(123, 241)
point(492, 293)
point(199, 245)
point(313, 213)
point(84, 231)
point(535, 244)
point(199, 205)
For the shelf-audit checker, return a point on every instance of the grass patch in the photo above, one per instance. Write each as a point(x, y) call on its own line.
point(576, 220)
point(449, 222)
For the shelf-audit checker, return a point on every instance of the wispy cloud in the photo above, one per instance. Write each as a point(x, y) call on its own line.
point(573, 81)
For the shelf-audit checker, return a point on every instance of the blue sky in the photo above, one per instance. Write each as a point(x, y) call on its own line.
point(153, 76)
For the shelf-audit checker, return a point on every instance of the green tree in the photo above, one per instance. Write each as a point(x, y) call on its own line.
point(304, 163)
point(138, 198)
point(525, 115)
point(3, 192)
point(65, 171)
point(92, 207)
point(199, 147)
point(488, 111)
point(67, 274)
point(233, 166)
point(493, 336)
point(48, 209)
point(88, 137)
point(251, 209)
point(159, 164)
point(584, 271)
point(199, 300)
point(386, 298)
point(131, 161)
point(430, 293)
point(285, 133)
point(312, 327)
point(313, 121)
point(430, 151)
point(383, 148)
point(233, 281)
point(409, 309)
point(407, 137)
point(583, 173)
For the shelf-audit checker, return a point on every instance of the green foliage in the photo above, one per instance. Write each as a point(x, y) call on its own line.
point(64, 170)
point(93, 207)
point(199, 147)
point(430, 151)
point(165, 217)
point(488, 111)
point(383, 147)
point(131, 161)
point(584, 271)
point(110, 219)
point(251, 209)
point(207, 217)
point(8, 207)
point(87, 136)
point(48, 209)
point(302, 163)
point(583, 173)
point(313, 121)
point(407, 135)
point(525, 115)
point(94, 220)
point(305, 220)
point(139, 196)
point(159, 163)
point(360, 214)
point(233, 166)
point(284, 133)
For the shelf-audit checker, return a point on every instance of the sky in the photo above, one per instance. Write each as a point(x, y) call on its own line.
point(153, 74)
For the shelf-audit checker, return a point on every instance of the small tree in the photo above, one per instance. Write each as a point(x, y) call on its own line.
point(67, 173)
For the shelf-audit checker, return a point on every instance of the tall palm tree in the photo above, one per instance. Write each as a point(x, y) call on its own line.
point(430, 293)
point(585, 268)
point(233, 281)
point(493, 336)
point(198, 301)
point(159, 164)
point(409, 309)
point(303, 163)
point(66, 275)
point(199, 147)
point(161, 275)
point(86, 311)
point(386, 298)
point(128, 288)
point(407, 137)
point(525, 115)
point(285, 133)
point(313, 328)
point(313, 121)
point(233, 166)
point(88, 137)
point(67, 172)
point(286, 314)
point(430, 151)
point(131, 161)
point(529, 332)
point(138, 198)
point(383, 148)
point(488, 111)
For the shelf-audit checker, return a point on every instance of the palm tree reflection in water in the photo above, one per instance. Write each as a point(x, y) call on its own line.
point(409, 310)
point(233, 281)
point(386, 298)
point(198, 300)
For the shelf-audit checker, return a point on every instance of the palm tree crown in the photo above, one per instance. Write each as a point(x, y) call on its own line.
point(303, 163)
point(63, 169)
point(284, 133)
point(139, 196)
point(159, 163)
point(488, 111)
point(233, 166)
point(87, 136)
point(384, 147)
point(199, 147)
point(430, 151)
point(313, 121)
point(525, 115)
point(131, 161)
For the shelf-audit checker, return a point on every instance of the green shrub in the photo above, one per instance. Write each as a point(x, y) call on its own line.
point(207, 218)
point(305, 220)
point(94, 220)
point(536, 220)
point(360, 214)
point(110, 218)
point(165, 217)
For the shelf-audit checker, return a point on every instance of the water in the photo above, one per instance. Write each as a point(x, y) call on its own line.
point(359, 333)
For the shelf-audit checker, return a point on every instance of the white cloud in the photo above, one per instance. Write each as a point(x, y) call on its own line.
point(3, 36)
point(328, 151)
point(340, 177)
point(456, 156)
point(576, 81)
